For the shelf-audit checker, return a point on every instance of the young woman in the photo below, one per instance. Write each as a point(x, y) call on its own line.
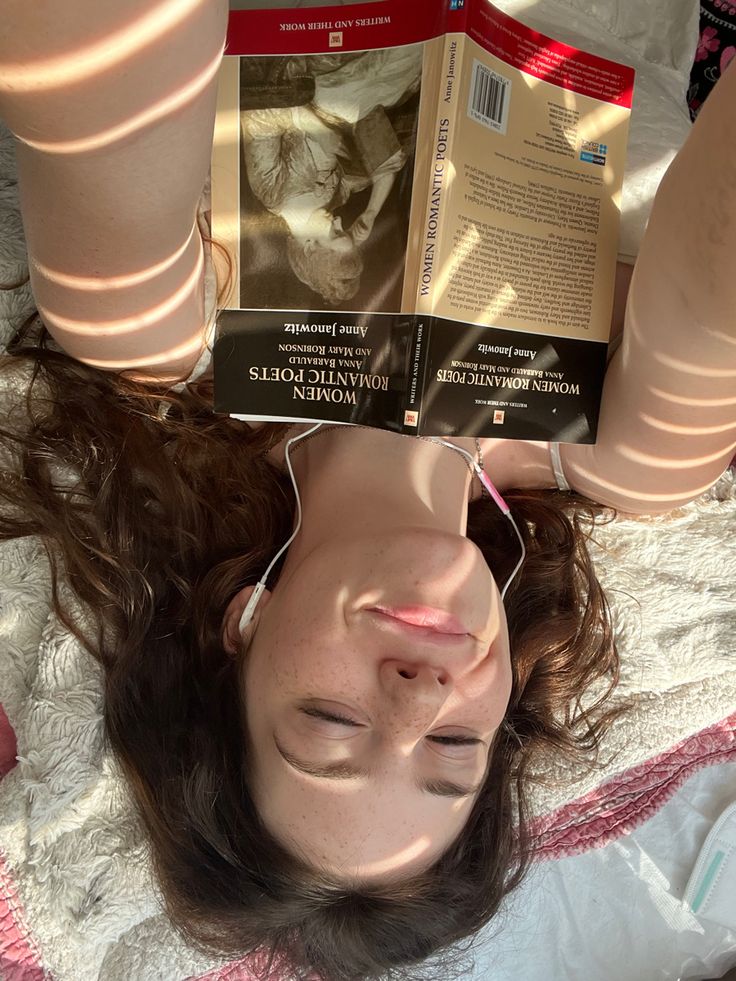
point(338, 778)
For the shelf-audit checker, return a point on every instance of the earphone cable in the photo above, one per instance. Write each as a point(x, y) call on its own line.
point(492, 492)
point(250, 606)
point(485, 480)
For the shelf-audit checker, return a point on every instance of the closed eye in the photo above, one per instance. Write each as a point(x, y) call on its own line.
point(344, 720)
point(455, 740)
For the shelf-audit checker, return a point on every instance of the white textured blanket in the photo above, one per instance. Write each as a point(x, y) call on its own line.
point(77, 899)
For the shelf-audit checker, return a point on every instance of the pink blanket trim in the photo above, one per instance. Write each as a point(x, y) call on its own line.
point(609, 811)
point(623, 803)
point(242, 970)
point(8, 746)
point(20, 959)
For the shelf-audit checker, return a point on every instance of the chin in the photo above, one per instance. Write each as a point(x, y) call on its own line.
point(437, 545)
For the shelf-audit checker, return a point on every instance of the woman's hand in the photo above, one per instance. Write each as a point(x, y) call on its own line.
point(362, 227)
point(383, 180)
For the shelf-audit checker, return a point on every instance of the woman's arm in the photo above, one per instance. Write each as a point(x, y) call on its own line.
point(263, 133)
point(382, 182)
point(113, 108)
point(668, 417)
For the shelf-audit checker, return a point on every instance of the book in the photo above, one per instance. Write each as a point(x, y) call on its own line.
point(375, 139)
point(422, 199)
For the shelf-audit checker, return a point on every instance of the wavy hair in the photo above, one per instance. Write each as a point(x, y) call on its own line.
point(334, 275)
point(164, 513)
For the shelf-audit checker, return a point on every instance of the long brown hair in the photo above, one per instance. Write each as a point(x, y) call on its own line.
point(158, 512)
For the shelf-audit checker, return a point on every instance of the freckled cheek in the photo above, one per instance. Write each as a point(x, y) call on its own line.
point(303, 659)
point(485, 702)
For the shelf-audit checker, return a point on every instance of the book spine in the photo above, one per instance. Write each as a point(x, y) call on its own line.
point(415, 373)
point(440, 171)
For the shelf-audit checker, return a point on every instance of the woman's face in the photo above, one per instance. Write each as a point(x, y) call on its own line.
point(326, 231)
point(348, 698)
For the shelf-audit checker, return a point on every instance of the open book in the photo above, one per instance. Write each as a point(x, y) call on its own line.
point(422, 198)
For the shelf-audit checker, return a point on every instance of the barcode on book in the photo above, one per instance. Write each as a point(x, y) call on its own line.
point(489, 98)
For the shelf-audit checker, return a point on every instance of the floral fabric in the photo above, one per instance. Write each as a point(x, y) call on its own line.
point(716, 49)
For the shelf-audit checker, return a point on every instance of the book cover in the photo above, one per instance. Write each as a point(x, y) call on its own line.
point(422, 203)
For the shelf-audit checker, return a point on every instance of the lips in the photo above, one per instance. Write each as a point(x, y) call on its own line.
point(426, 618)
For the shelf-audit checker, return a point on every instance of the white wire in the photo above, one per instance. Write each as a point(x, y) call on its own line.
point(519, 563)
point(505, 511)
point(247, 614)
point(287, 451)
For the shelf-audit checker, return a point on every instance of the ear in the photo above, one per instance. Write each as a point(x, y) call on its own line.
point(232, 639)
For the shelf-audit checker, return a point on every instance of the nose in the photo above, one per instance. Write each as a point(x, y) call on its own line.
point(417, 691)
point(424, 675)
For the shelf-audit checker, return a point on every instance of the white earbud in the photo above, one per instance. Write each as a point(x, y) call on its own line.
point(250, 606)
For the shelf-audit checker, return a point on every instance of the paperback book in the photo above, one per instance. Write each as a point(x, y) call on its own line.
point(422, 200)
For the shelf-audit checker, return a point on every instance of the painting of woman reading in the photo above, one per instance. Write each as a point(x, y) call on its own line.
point(328, 146)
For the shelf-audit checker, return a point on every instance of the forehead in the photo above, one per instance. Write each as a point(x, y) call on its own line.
point(367, 827)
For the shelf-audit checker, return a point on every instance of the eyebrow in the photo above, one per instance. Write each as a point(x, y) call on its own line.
point(344, 770)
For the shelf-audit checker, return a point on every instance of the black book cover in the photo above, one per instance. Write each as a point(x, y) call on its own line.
point(330, 365)
point(406, 373)
point(510, 384)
